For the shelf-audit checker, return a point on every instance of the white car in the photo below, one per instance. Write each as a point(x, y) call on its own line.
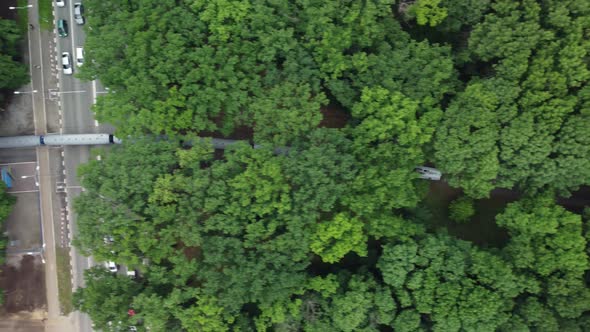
point(111, 266)
point(78, 13)
point(428, 173)
point(79, 56)
point(66, 63)
point(60, 3)
point(131, 273)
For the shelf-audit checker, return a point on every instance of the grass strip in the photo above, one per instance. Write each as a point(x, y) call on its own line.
point(46, 14)
point(64, 279)
point(23, 16)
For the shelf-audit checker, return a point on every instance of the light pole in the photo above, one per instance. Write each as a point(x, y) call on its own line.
point(23, 7)
point(35, 176)
point(64, 92)
point(54, 93)
point(24, 92)
point(31, 176)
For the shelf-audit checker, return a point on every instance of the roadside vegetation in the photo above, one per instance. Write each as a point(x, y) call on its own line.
point(46, 14)
point(7, 201)
point(23, 17)
point(13, 73)
point(64, 279)
point(340, 233)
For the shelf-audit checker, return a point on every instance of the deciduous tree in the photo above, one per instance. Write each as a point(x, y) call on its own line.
point(535, 83)
point(388, 139)
point(455, 285)
point(106, 297)
point(547, 245)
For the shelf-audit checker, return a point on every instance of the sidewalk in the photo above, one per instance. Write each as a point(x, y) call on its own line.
point(43, 67)
point(60, 324)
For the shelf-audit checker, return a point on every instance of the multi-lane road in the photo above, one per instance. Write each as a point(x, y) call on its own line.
point(76, 97)
point(61, 105)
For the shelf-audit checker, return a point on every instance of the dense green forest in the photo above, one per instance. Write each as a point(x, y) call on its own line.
point(13, 73)
point(337, 234)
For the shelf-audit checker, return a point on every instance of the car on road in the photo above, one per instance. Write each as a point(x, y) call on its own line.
point(62, 28)
point(79, 13)
point(111, 266)
point(79, 56)
point(66, 63)
point(60, 3)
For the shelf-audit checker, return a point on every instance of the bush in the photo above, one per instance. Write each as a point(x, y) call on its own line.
point(461, 209)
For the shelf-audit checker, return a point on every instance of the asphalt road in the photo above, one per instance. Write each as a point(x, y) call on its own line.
point(61, 104)
point(18, 155)
point(76, 99)
point(76, 96)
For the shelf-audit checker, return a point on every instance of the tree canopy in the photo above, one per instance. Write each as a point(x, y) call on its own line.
point(311, 224)
point(263, 241)
point(13, 73)
point(548, 246)
point(513, 124)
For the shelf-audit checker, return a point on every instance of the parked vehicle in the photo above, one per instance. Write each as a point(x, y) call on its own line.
point(60, 3)
point(79, 56)
point(78, 13)
point(111, 266)
point(62, 28)
point(66, 63)
point(428, 173)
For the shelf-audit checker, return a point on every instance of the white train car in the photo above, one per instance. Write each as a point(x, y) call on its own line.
point(78, 139)
point(19, 142)
point(56, 139)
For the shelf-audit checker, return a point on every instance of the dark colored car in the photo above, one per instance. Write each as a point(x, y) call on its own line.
point(62, 28)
